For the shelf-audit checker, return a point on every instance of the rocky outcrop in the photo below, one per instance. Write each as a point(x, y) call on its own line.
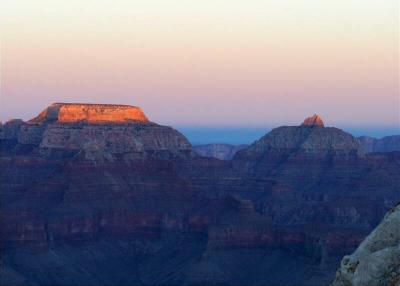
point(377, 260)
point(385, 144)
point(98, 131)
point(303, 143)
point(90, 113)
point(219, 151)
point(313, 121)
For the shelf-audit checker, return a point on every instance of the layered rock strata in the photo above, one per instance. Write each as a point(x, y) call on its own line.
point(130, 202)
point(99, 131)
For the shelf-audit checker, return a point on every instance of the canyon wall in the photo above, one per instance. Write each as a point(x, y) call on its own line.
point(135, 194)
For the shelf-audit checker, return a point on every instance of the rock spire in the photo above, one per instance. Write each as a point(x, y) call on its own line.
point(314, 120)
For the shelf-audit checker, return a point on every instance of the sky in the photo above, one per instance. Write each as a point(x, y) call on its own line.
point(195, 64)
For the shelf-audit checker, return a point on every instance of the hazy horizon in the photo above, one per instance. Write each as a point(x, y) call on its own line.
point(236, 135)
point(242, 134)
point(246, 134)
point(199, 63)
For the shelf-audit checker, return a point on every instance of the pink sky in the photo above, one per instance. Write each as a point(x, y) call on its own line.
point(205, 62)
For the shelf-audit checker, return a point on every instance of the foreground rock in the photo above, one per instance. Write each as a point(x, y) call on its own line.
point(377, 260)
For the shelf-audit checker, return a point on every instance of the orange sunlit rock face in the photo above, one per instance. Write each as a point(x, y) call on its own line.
point(91, 113)
point(314, 120)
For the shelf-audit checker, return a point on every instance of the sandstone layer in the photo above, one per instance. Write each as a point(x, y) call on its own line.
point(91, 113)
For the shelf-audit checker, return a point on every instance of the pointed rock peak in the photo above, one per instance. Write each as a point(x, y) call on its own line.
point(314, 120)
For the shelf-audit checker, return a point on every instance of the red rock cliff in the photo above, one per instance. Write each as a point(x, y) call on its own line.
point(91, 113)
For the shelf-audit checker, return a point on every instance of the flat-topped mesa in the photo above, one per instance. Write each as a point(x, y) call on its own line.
point(90, 113)
point(97, 132)
point(313, 121)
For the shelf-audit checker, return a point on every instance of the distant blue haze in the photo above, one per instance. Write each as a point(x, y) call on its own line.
point(246, 135)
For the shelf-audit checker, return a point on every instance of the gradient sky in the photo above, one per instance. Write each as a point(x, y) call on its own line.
point(206, 63)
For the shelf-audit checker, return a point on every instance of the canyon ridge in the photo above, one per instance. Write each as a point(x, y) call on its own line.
point(99, 194)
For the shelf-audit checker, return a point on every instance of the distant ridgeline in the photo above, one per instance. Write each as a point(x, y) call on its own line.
point(369, 144)
point(385, 144)
point(225, 151)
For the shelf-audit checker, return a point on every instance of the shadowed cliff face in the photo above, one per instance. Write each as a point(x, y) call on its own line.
point(219, 151)
point(135, 195)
